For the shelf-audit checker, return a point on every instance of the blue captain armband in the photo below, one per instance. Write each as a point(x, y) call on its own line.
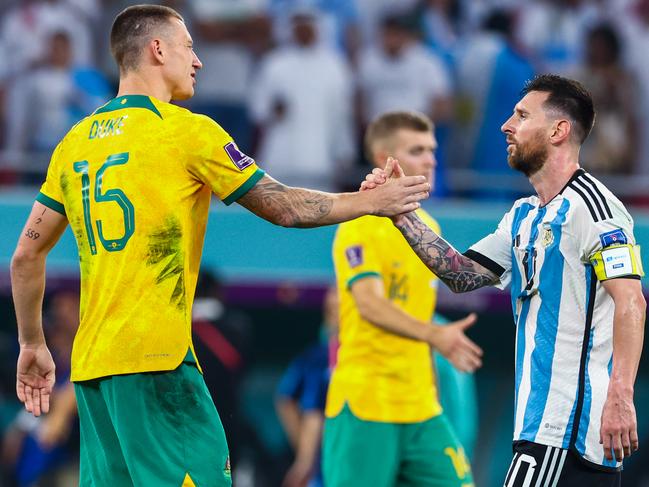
point(617, 261)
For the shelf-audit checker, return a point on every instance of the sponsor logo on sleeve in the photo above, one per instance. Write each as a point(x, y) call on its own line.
point(354, 255)
point(614, 237)
point(239, 159)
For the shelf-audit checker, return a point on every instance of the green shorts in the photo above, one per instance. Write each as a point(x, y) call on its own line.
point(151, 429)
point(372, 454)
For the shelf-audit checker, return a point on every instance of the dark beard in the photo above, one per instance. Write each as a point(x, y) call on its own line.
point(528, 159)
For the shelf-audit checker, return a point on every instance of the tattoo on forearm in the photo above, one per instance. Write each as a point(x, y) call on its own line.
point(458, 272)
point(32, 234)
point(289, 207)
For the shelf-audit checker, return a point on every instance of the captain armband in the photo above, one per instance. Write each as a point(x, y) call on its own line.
point(617, 261)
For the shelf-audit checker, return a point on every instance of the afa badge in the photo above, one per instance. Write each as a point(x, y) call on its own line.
point(548, 236)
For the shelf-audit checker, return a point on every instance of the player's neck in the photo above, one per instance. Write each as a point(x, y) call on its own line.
point(553, 176)
point(138, 83)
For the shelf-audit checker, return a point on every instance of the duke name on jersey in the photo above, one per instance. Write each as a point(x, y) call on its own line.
point(555, 258)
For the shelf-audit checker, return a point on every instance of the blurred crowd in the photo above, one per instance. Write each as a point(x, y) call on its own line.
point(296, 81)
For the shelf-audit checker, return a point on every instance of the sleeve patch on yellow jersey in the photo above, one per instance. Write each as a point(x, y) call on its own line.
point(617, 261)
point(354, 255)
point(239, 159)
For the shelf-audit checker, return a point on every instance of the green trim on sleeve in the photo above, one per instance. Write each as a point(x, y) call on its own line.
point(51, 203)
point(129, 101)
point(361, 276)
point(245, 187)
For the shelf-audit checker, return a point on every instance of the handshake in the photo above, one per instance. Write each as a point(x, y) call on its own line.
point(392, 192)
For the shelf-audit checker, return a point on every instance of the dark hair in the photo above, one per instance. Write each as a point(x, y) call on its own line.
point(133, 28)
point(568, 97)
point(387, 124)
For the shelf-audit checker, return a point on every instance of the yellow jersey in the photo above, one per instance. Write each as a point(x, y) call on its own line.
point(382, 376)
point(135, 181)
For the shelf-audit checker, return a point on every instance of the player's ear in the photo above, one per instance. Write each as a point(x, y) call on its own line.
point(561, 130)
point(156, 49)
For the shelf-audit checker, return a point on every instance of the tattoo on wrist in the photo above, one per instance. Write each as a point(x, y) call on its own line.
point(289, 207)
point(458, 272)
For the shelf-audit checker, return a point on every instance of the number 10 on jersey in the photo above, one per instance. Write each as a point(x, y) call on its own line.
point(115, 195)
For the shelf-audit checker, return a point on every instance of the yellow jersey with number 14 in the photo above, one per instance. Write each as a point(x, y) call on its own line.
point(135, 181)
point(382, 376)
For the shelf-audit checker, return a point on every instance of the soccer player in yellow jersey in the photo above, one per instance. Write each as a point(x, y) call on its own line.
point(134, 182)
point(385, 426)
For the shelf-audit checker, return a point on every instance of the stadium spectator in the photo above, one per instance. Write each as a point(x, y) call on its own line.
point(337, 22)
point(230, 37)
point(301, 100)
point(63, 92)
point(384, 425)
point(401, 74)
point(134, 369)
point(301, 397)
point(570, 256)
point(490, 72)
point(612, 146)
point(552, 32)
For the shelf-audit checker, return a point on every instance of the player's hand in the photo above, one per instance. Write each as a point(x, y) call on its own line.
point(298, 475)
point(399, 194)
point(451, 341)
point(619, 429)
point(35, 378)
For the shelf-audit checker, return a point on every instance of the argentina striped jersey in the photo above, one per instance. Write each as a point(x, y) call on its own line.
point(563, 314)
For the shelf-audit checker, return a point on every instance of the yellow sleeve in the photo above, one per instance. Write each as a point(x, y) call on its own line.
point(355, 256)
point(217, 161)
point(617, 261)
point(51, 194)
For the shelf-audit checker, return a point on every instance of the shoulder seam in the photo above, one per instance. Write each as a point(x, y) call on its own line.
point(585, 199)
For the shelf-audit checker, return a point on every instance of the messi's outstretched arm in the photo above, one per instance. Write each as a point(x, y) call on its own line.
point(457, 271)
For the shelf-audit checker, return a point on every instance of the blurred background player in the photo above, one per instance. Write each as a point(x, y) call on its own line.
point(301, 398)
point(385, 426)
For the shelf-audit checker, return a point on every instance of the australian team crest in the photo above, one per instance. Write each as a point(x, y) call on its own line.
point(548, 236)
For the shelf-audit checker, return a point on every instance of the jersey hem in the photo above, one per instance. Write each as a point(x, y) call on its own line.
point(245, 187)
point(573, 450)
point(51, 203)
point(347, 405)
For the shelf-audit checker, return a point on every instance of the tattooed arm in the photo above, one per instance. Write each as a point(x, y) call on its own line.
point(35, 371)
point(299, 207)
point(457, 271)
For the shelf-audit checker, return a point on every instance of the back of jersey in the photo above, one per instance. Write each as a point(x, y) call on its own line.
point(135, 180)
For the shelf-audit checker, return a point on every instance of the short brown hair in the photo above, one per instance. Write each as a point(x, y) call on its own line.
point(387, 124)
point(132, 30)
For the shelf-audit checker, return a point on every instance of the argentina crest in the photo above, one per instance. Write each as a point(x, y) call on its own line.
point(548, 236)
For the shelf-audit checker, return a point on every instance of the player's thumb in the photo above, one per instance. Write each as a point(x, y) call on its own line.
point(467, 321)
point(397, 171)
point(389, 167)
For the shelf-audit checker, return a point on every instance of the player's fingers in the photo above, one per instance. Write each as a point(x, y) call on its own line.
point(416, 197)
point(36, 393)
point(398, 171)
point(408, 207)
point(20, 391)
point(415, 181)
point(626, 443)
point(606, 441)
point(635, 443)
point(617, 446)
point(45, 402)
point(473, 347)
point(29, 403)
